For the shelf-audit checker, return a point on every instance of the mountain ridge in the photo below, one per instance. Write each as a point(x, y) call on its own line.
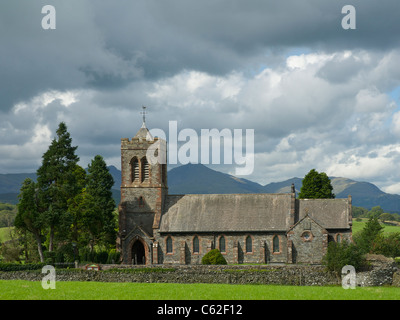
point(200, 179)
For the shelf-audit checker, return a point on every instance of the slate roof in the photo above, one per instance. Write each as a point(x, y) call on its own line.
point(225, 212)
point(329, 213)
point(193, 213)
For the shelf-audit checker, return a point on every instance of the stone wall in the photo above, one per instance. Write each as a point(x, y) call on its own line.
point(283, 275)
point(383, 272)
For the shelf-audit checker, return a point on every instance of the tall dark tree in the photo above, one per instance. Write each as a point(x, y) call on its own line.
point(316, 186)
point(30, 217)
point(75, 208)
point(57, 180)
point(371, 232)
point(98, 187)
point(92, 209)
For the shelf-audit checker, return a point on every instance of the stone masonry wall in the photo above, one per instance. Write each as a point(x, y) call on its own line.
point(381, 274)
point(283, 275)
point(262, 250)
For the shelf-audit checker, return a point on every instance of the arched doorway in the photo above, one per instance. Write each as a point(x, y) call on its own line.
point(138, 253)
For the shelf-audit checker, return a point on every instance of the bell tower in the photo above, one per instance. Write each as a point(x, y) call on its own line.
point(143, 190)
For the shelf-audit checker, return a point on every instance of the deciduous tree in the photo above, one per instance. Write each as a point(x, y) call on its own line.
point(316, 186)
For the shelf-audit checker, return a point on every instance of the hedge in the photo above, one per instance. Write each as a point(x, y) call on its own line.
point(139, 270)
point(214, 256)
point(30, 266)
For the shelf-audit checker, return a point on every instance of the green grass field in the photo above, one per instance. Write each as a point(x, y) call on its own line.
point(359, 225)
point(32, 290)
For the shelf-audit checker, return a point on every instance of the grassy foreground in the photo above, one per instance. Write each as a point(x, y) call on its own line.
point(32, 290)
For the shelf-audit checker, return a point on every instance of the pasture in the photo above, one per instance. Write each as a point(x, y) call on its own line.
point(72, 290)
point(359, 225)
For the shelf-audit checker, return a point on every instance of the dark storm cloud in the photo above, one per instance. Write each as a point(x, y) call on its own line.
point(109, 44)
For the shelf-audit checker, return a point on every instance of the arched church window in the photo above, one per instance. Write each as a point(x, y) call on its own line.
point(134, 169)
point(222, 247)
point(249, 244)
point(338, 238)
point(145, 169)
point(275, 244)
point(169, 244)
point(196, 244)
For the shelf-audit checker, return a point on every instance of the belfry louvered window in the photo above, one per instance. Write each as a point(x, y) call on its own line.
point(134, 169)
point(145, 169)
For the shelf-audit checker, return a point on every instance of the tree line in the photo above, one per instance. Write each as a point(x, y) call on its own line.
point(67, 209)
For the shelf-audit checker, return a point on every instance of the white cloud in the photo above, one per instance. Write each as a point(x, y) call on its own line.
point(393, 188)
point(373, 163)
point(302, 118)
point(305, 61)
point(396, 123)
point(371, 100)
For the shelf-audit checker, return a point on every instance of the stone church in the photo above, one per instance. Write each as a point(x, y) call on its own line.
point(158, 228)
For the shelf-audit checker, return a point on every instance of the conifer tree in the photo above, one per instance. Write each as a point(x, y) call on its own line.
point(92, 209)
point(29, 216)
point(98, 187)
point(57, 181)
point(371, 232)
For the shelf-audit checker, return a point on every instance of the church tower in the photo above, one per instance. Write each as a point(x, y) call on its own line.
point(143, 190)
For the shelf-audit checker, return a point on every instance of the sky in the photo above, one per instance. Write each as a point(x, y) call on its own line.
point(316, 95)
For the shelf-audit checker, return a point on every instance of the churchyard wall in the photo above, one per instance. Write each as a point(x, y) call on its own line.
point(381, 274)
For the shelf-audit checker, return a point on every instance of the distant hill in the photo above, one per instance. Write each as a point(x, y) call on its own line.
point(11, 182)
point(199, 179)
point(365, 194)
point(283, 186)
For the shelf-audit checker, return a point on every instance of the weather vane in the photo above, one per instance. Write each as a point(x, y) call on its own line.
point(143, 113)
